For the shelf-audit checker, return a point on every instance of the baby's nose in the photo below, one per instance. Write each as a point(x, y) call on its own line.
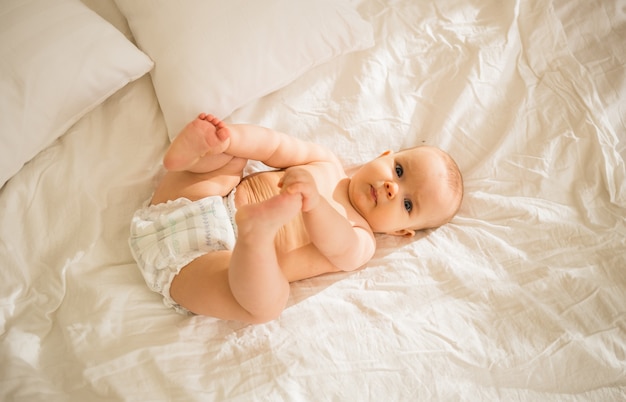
point(391, 188)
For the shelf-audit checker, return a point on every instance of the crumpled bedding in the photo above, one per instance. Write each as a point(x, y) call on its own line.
point(521, 297)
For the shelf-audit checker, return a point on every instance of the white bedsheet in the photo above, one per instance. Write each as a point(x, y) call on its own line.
point(521, 297)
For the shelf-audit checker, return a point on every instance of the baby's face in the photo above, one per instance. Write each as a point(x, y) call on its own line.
point(403, 192)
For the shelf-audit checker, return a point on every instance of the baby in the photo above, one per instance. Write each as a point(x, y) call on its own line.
point(215, 243)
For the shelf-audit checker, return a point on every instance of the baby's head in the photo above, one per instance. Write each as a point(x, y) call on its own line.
point(401, 193)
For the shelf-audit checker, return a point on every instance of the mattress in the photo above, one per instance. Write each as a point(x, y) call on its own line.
point(522, 296)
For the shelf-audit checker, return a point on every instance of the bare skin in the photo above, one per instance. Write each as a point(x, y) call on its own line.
point(305, 219)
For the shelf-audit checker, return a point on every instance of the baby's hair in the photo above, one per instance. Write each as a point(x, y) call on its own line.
point(455, 183)
point(455, 180)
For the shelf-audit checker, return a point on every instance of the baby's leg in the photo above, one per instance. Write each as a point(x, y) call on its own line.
point(246, 284)
point(196, 165)
point(255, 277)
point(199, 146)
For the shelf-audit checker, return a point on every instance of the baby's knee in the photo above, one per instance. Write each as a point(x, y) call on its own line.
point(261, 319)
point(265, 316)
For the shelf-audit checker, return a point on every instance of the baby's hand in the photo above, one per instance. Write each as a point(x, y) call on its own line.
point(299, 180)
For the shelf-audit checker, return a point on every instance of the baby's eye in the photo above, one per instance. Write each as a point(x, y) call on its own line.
point(399, 170)
point(408, 205)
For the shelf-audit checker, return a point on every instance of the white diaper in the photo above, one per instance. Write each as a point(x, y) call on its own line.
point(166, 237)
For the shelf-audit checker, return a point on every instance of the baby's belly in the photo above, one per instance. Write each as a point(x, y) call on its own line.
point(298, 258)
point(261, 186)
point(257, 187)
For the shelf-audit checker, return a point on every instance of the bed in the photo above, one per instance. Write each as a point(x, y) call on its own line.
point(522, 296)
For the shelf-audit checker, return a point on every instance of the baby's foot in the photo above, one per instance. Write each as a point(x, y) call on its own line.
point(263, 219)
point(205, 135)
point(220, 126)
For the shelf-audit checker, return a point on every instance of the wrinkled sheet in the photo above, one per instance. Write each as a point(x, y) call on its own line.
point(521, 297)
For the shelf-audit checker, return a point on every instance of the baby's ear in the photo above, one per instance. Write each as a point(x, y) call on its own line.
point(403, 233)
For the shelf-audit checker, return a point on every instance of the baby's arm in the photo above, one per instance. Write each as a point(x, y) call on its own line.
point(346, 246)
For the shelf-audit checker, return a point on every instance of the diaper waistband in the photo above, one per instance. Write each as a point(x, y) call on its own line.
point(229, 203)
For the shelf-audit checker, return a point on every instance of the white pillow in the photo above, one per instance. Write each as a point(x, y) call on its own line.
point(58, 60)
point(214, 56)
